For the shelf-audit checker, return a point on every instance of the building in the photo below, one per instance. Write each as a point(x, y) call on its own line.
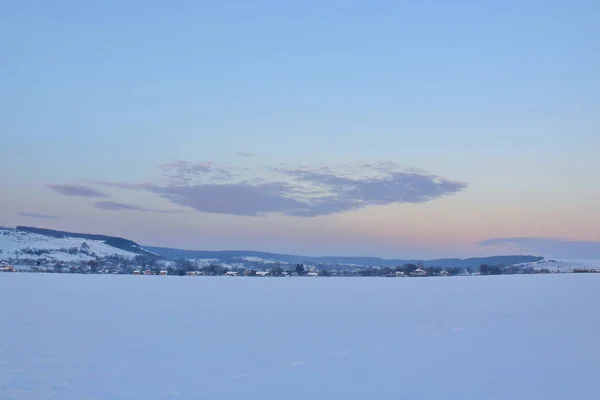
point(147, 272)
point(312, 274)
point(262, 273)
point(191, 273)
point(419, 272)
point(163, 272)
point(310, 268)
point(444, 273)
point(136, 272)
point(8, 268)
point(399, 274)
point(231, 273)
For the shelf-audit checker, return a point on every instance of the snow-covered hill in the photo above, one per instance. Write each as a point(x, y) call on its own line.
point(561, 265)
point(24, 245)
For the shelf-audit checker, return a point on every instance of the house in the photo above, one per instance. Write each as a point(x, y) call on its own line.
point(444, 273)
point(262, 273)
point(147, 272)
point(399, 274)
point(312, 274)
point(191, 273)
point(136, 272)
point(419, 272)
point(8, 268)
point(231, 273)
point(163, 272)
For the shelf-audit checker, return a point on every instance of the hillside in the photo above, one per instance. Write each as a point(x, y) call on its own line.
point(29, 245)
point(568, 265)
point(117, 242)
point(246, 256)
point(44, 246)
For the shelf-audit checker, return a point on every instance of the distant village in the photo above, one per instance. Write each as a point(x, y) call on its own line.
point(37, 250)
point(143, 265)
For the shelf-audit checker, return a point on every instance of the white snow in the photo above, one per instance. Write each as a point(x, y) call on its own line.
point(259, 260)
point(166, 263)
point(233, 265)
point(519, 337)
point(204, 261)
point(13, 243)
point(562, 265)
point(146, 250)
point(582, 263)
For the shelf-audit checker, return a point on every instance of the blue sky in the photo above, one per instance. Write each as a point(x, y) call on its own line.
point(150, 105)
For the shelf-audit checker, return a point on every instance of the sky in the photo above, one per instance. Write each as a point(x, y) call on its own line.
point(384, 128)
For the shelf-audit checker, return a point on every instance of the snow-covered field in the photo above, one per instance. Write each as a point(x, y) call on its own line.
point(14, 245)
point(519, 337)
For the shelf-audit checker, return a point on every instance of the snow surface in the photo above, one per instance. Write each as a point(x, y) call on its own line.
point(13, 242)
point(519, 337)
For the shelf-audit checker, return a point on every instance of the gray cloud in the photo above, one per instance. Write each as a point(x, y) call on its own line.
point(123, 185)
point(295, 191)
point(76, 190)
point(234, 199)
point(113, 206)
point(38, 215)
point(392, 187)
point(244, 154)
point(186, 172)
point(550, 247)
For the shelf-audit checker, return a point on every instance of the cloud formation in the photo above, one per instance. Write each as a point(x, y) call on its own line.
point(244, 154)
point(76, 190)
point(394, 186)
point(183, 172)
point(303, 191)
point(550, 247)
point(114, 206)
point(38, 215)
